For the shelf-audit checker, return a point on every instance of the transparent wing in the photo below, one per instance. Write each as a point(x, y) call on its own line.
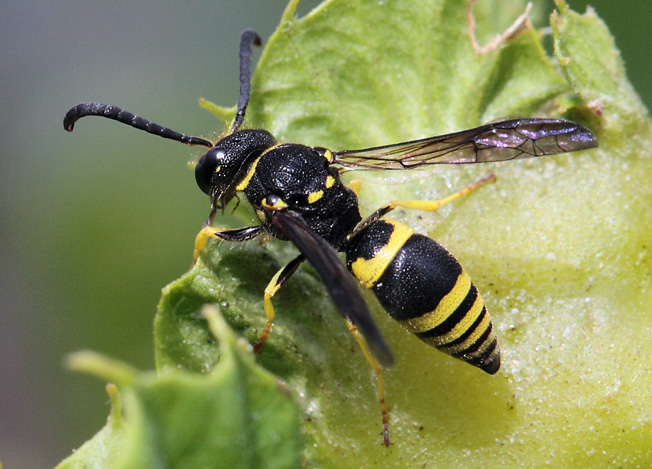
point(498, 141)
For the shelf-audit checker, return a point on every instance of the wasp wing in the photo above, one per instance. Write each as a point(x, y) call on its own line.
point(498, 141)
point(339, 282)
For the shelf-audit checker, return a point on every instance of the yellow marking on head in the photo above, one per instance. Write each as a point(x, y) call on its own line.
point(330, 180)
point(261, 215)
point(245, 181)
point(444, 309)
point(315, 196)
point(218, 168)
point(369, 271)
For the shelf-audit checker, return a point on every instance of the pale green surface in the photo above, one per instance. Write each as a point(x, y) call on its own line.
point(558, 247)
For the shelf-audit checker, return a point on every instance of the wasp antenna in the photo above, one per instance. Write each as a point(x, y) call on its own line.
point(248, 38)
point(114, 112)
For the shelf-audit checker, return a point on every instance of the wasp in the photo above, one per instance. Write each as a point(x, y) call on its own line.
point(298, 196)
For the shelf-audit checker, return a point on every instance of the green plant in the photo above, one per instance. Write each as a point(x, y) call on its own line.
point(559, 247)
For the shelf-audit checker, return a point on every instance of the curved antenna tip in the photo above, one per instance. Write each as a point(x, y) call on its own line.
point(125, 117)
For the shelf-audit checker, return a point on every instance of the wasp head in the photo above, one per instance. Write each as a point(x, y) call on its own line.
point(219, 170)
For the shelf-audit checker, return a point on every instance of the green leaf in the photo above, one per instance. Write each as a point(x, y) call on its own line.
point(235, 415)
point(599, 77)
point(105, 446)
point(351, 74)
point(559, 248)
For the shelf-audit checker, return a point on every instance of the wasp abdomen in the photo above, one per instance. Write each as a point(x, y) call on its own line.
point(422, 286)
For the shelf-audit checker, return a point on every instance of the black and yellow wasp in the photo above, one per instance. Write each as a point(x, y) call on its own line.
point(297, 195)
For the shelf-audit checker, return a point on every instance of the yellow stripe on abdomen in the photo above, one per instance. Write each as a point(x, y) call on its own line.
point(463, 323)
point(446, 306)
point(369, 271)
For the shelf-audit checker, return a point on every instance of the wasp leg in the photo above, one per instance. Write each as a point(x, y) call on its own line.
point(425, 205)
point(208, 232)
point(204, 235)
point(274, 285)
point(378, 370)
point(434, 205)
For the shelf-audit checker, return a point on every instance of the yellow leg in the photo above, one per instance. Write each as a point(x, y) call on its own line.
point(201, 240)
point(378, 370)
point(426, 205)
point(273, 286)
point(270, 291)
point(207, 232)
point(434, 205)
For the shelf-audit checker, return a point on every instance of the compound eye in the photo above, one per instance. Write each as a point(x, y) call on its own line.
point(207, 166)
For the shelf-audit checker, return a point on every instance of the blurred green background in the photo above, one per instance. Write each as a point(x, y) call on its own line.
point(93, 224)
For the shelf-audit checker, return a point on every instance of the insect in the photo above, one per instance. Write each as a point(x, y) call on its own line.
point(298, 196)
